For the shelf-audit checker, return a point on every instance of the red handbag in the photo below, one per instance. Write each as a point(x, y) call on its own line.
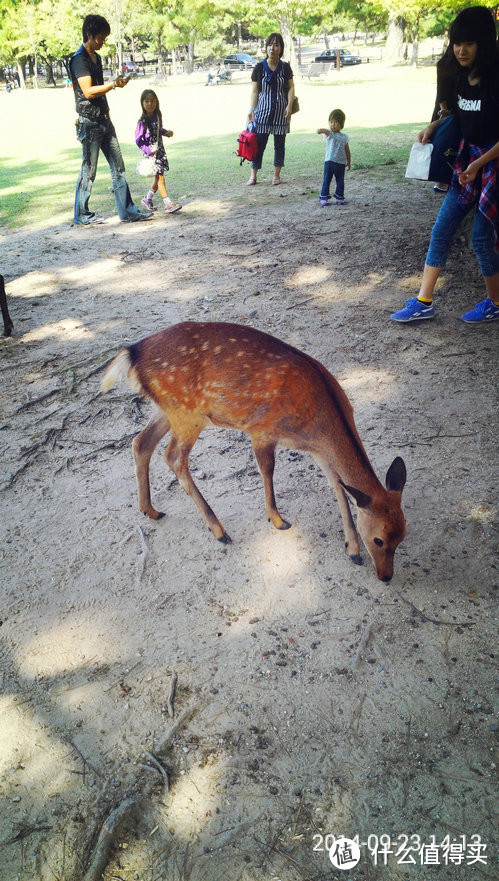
point(247, 146)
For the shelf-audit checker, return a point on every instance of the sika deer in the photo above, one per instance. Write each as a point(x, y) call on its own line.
point(237, 377)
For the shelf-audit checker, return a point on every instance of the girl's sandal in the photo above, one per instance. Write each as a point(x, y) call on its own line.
point(173, 208)
point(276, 181)
point(251, 182)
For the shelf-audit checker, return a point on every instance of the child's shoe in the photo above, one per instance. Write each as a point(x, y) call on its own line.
point(148, 204)
point(324, 203)
point(414, 310)
point(171, 207)
point(341, 201)
point(484, 311)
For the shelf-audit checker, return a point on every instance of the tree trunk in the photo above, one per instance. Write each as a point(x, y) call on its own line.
point(49, 74)
point(238, 35)
point(326, 39)
point(174, 61)
point(394, 45)
point(20, 70)
point(289, 46)
point(190, 52)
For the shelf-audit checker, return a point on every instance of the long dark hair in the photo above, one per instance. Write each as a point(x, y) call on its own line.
point(144, 117)
point(476, 25)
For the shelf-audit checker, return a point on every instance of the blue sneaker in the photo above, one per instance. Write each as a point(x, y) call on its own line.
point(414, 310)
point(324, 203)
point(484, 311)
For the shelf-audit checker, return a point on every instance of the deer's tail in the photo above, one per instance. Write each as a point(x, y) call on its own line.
point(120, 369)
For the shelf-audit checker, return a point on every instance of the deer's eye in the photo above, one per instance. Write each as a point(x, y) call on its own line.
point(379, 542)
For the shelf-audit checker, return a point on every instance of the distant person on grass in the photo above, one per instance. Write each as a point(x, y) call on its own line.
point(475, 181)
point(337, 158)
point(272, 94)
point(95, 130)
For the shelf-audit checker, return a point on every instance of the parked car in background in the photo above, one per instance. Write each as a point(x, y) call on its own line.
point(239, 61)
point(346, 58)
point(131, 67)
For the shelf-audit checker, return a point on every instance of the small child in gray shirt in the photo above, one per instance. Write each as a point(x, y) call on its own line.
point(337, 158)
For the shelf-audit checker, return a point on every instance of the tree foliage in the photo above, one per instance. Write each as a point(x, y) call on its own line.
point(48, 30)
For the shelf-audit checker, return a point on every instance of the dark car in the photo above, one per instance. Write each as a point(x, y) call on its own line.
point(239, 61)
point(346, 58)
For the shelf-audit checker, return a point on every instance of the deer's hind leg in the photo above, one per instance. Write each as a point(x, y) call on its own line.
point(265, 457)
point(177, 457)
point(143, 447)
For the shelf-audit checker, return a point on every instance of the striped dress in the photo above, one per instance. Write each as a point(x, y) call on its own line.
point(272, 98)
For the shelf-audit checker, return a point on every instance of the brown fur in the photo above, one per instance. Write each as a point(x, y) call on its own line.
point(238, 377)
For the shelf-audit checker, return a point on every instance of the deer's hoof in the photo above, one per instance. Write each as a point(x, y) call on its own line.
point(225, 539)
point(285, 525)
point(357, 559)
point(153, 515)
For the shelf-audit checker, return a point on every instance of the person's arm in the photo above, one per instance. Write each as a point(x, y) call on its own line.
point(469, 174)
point(324, 131)
point(349, 156)
point(425, 136)
point(90, 91)
point(253, 100)
point(291, 96)
point(141, 138)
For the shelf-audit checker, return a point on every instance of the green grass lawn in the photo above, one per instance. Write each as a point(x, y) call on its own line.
point(40, 156)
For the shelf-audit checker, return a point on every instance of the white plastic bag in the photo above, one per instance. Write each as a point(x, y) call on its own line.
point(146, 166)
point(419, 161)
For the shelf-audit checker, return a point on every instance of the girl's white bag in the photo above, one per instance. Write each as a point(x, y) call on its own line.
point(419, 161)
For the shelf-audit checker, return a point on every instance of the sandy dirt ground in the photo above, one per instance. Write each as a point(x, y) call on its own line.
point(311, 699)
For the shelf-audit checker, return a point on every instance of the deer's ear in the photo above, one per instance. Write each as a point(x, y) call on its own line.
point(363, 500)
point(396, 475)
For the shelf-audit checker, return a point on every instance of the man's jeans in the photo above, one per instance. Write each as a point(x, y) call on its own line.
point(95, 136)
point(449, 218)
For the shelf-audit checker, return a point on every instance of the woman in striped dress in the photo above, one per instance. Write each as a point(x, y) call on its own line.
point(272, 95)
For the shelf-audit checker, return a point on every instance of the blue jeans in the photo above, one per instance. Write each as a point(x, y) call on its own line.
point(279, 148)
point(447, 223)
point(95, 136)
point(337, 170)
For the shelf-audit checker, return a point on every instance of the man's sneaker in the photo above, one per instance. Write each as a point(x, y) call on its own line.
point(324, 203)
point(148, 204)
point(484, 311)
point(414, 310)
point(139, 218)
